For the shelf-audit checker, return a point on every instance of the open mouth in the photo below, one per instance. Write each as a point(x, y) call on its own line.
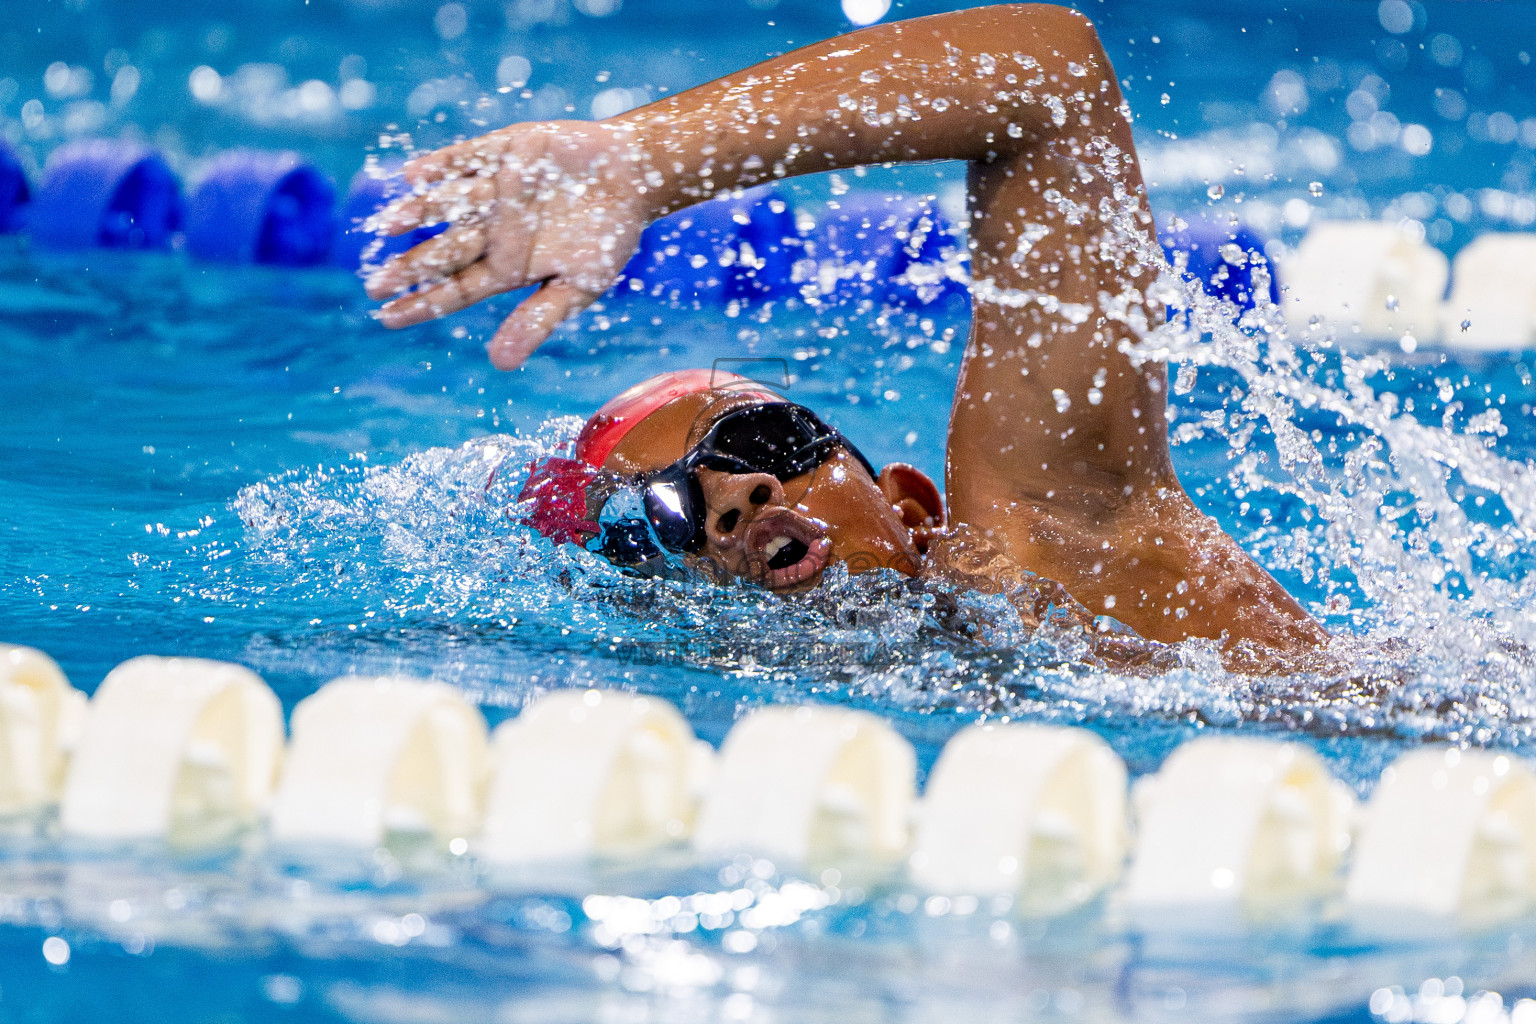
point(784, 552)
point(789, 550)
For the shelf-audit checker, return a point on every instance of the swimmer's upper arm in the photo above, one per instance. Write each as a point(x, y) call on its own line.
point(1049, 406)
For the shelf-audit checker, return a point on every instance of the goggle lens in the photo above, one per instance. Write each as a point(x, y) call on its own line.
point(674, 505)
point(782, 440)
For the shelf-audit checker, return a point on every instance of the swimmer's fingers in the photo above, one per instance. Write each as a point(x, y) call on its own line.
point(467, 287)
point(470, 157)
point(454, 202)
point(530, 323)
point(438, 257)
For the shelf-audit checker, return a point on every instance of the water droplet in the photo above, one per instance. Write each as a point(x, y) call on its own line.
point(1316, 188)
point(1392, 303)
point(1166, 99)
point(1466, 325)
point(1408, 343)
point(1216, 191)
point(1063, 400)
point(1184, 382)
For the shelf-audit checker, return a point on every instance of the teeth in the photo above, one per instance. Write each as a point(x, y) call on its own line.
point(775, 546)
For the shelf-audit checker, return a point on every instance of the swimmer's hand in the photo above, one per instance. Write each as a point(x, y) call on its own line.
point(557, 204)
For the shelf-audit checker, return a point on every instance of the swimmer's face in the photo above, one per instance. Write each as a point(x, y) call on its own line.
point(784, 534)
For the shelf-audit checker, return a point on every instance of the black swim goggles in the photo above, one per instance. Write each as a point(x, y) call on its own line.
point(778, 438)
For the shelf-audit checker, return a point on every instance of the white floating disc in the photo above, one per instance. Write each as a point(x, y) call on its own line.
point(582, 772)
point(39, 713)
point(810, 785)
point(1022, 808)
point(375, 756)
point(1448, 832)
point(178, 747)
point(1234, 821)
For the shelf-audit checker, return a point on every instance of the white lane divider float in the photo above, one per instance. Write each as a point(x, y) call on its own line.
point(40, 715)
point(187, 749)
point(1448, 832)
point(1032, 810)
point(810, 785)
point(181, 748)
point(1493, 292)
point(374, 756)
point(584, 772)
point(1235, 822)
point(1366, 274)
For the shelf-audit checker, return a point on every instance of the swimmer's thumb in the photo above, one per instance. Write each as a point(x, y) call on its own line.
point(532, 321)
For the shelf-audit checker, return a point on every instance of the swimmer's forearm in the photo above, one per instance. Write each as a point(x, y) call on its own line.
point(977, 85)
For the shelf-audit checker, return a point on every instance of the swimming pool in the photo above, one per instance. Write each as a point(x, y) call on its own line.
point(236, 463)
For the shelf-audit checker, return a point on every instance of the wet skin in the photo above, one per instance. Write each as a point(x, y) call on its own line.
point(1057, 464)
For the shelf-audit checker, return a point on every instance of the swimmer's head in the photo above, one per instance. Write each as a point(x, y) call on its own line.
point(736, 488)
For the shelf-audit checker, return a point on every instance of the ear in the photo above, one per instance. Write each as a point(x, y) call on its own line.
point(916, 499)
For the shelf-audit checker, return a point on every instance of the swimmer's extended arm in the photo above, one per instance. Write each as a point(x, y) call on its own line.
point(1058, 445)
point(562, 202)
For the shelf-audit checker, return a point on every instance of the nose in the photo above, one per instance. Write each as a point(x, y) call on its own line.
point(731, 498)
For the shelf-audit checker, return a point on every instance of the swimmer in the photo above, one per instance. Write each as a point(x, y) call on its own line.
point(1058, 472)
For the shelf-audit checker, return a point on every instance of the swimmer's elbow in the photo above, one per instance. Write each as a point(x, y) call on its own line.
point(1071, 31)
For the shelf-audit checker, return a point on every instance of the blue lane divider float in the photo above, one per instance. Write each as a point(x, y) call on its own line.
point(734, 247)
point(882, 246)
point(1223, 259)
point(107, 193)
point(256, 207)
point(14, 192)
point(368, 194)
point(276, 208)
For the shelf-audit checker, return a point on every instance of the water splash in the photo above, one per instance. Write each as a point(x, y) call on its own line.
point(1419, 536)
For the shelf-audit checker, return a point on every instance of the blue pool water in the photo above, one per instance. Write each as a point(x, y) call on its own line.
point(238, 463)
